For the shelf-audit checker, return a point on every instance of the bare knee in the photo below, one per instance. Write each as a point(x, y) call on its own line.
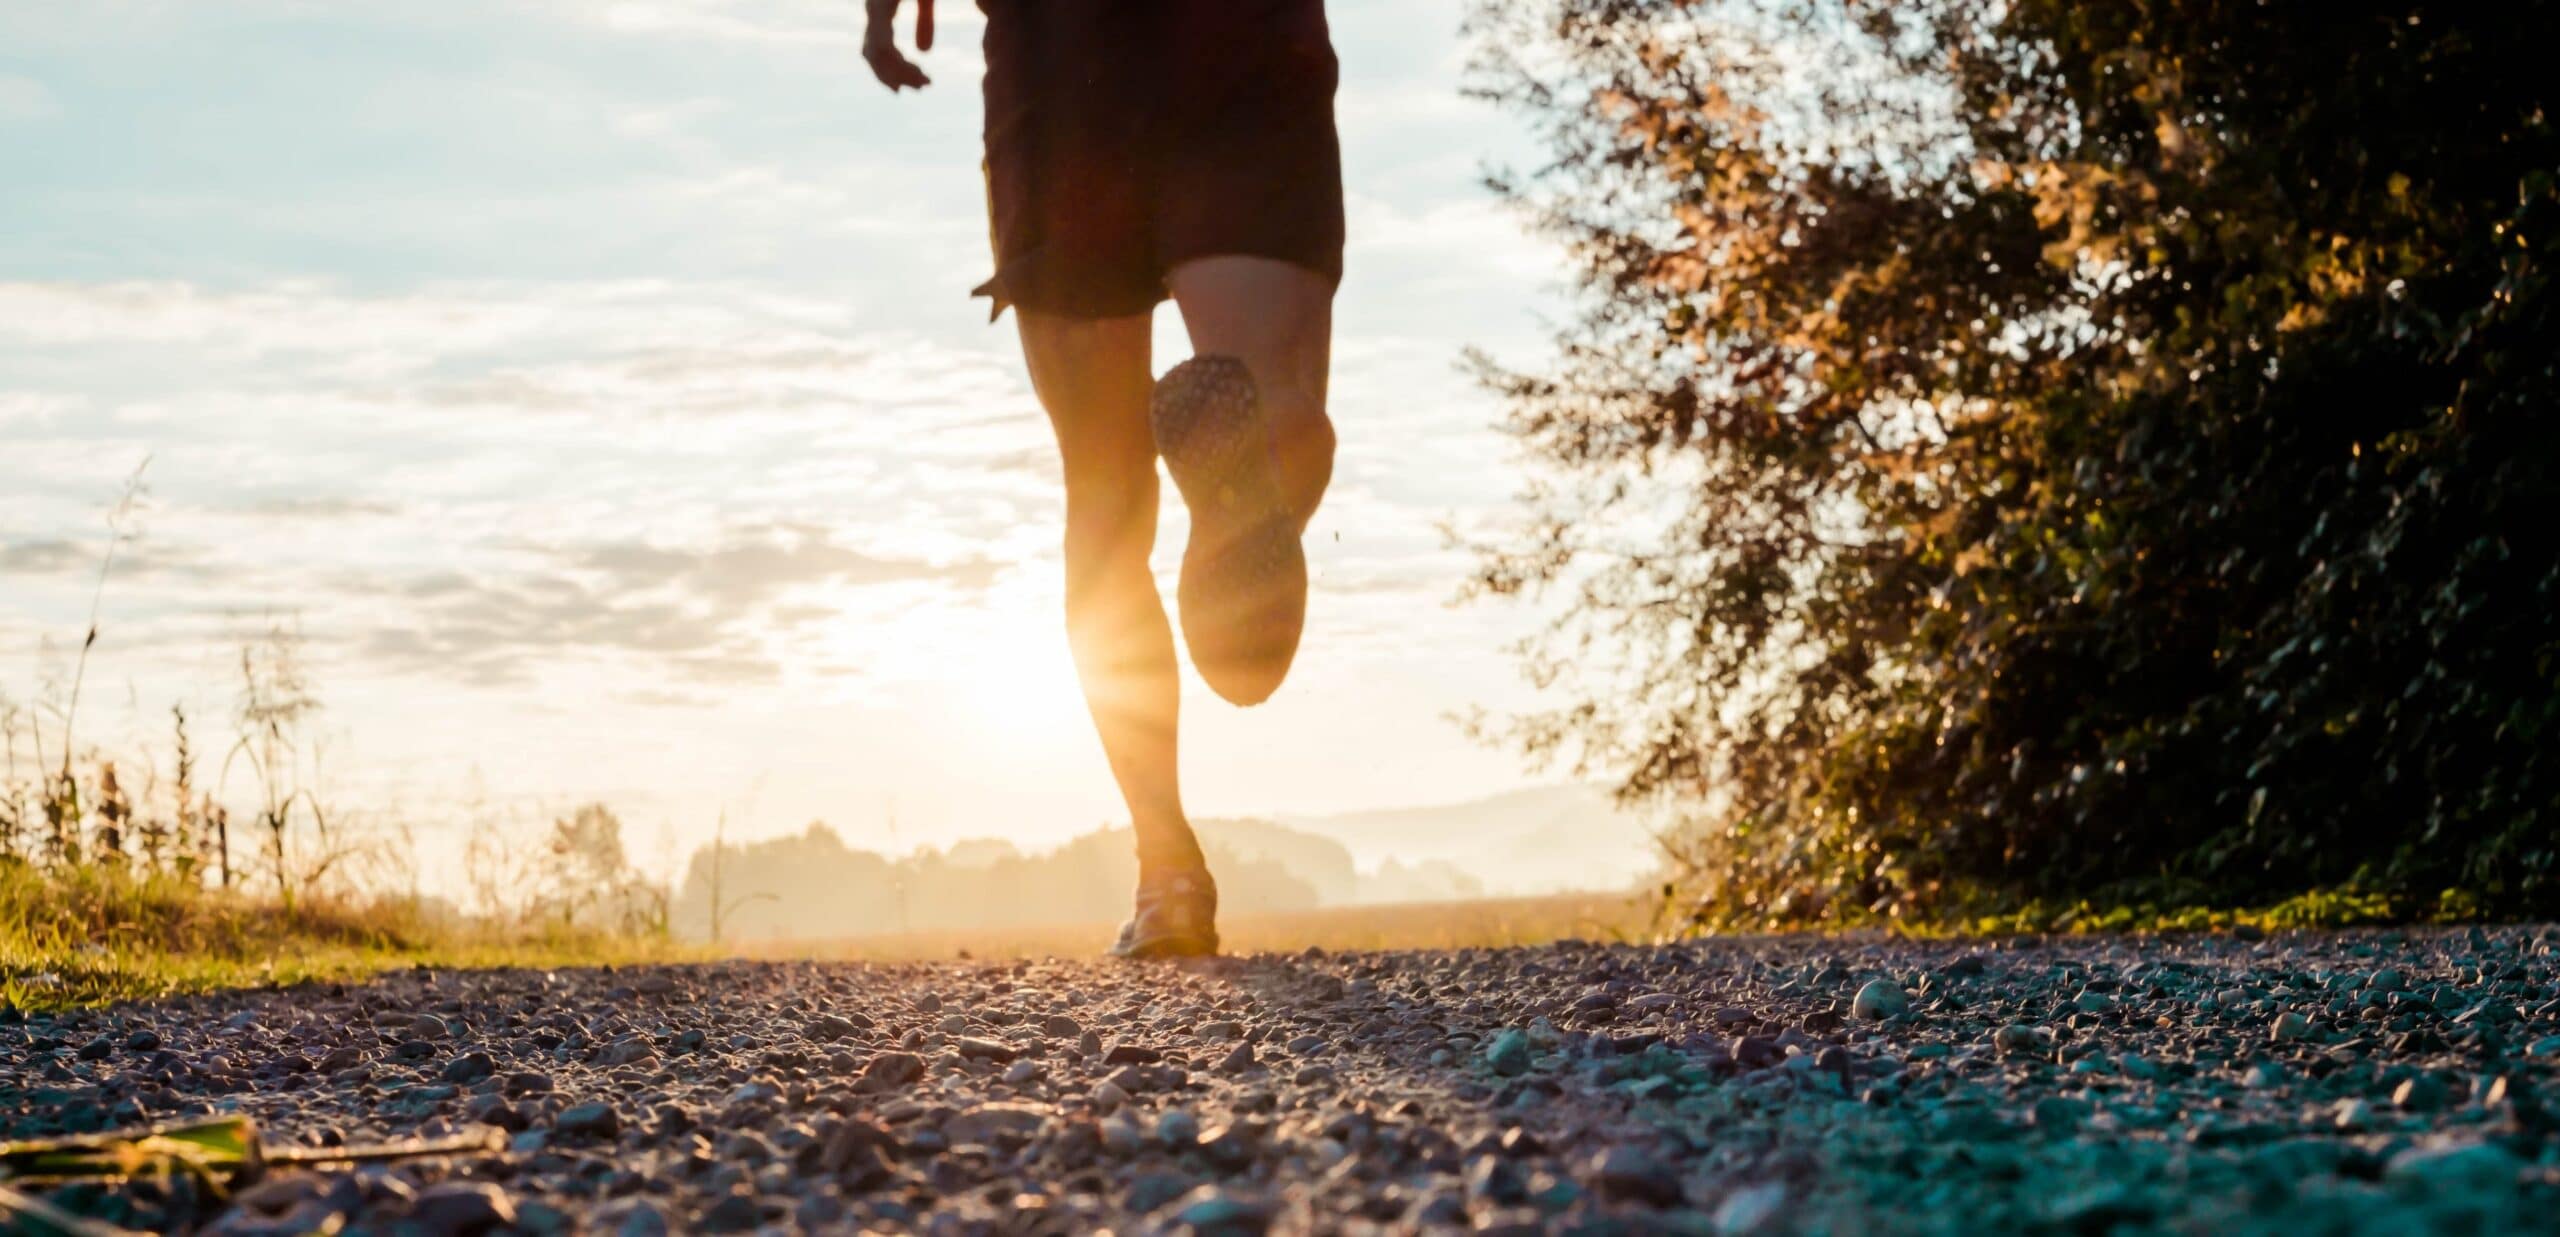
point(1302, 438)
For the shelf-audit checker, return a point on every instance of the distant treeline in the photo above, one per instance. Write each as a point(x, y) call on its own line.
point(813, 885)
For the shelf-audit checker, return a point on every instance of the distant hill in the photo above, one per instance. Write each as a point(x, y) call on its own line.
point(812, 885)
point(1552, 839)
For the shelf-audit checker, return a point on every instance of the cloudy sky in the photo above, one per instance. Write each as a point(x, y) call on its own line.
point(593, 384)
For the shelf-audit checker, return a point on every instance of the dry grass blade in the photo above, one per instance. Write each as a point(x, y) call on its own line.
point(480, 1140)
point(218, 1153)
point(210, 1150)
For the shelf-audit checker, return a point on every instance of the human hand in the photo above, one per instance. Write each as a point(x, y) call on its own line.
point(880, 45)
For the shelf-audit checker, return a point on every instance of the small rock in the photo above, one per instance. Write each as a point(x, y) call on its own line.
point(828, 1028)
point(2289, 1027)
point(1178, 1129)
point(588, 1121)
point(2456, 1168)
point(629, 1050)
point(734, 1213)
point(892, 1069)
point(1508, 1054)
point(1231, 1146)
point(985, 1122)
point(1634, 1174)
point(144, 1040)
point(1122, 1136)
point(1493, 1181)
point(469, 1068)
point(986, 1049)
point(1212, 1210)
point(1151, 1191)
point(1021, 1072)
point(643, 1219)
point(1749, 1209)
point(1237, 1060)
point(2420, 1093)
point(461, 1208)
point(1879, 999)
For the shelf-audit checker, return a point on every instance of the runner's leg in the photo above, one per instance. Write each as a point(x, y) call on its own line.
point(1277, 318)
point(1092, 375)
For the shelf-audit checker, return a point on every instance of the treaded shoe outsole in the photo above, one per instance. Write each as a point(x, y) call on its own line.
point(1243, 596)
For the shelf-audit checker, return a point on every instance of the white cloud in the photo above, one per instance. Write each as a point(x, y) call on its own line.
point(24, 98)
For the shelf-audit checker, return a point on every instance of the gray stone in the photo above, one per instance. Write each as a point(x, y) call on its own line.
point(587, 1121)
point(469, 1068)
point(1213, 1210)
point(892, 1069)
point(1632, 1173)
point(2456, 1168)
point(985, 1122)
point(1508, 1054)
point(461, 1209)
point(1879, 999)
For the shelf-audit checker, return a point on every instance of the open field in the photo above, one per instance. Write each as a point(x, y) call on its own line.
point(87, 936)
point(1607, 917)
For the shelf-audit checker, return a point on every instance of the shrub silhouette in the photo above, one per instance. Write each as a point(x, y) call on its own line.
point(2047, 449)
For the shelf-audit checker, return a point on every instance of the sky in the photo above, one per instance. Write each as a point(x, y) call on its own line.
point(593, 386)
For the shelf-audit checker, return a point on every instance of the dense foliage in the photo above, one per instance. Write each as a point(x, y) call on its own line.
point(2050, 449)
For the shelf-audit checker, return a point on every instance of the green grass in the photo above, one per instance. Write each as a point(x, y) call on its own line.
point(96, 935)
point(2318, 908)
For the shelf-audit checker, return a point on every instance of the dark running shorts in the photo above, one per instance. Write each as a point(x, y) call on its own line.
point(1126, 137)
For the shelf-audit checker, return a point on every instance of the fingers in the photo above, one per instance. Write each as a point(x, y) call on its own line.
point(894, 71)
point(897, 72)
point(880, 44)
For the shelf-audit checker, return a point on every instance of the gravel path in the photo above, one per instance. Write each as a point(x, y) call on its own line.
point(2363, 1082)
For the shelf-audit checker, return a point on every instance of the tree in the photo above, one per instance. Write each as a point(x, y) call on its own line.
point(2044, 449)
point(586, 873)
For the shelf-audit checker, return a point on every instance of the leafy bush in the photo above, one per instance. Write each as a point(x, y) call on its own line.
point(2042, 450)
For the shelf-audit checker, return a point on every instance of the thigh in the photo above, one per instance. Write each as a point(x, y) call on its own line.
point(1071, 157)
point(1251, 161)
point(1275, 316)
point(1092, 376)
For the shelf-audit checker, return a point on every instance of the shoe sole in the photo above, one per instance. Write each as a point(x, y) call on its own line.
point(1243, 595)
point(1168, 946)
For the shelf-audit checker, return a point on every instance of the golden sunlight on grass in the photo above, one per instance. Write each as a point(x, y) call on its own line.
point(1413, 925)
